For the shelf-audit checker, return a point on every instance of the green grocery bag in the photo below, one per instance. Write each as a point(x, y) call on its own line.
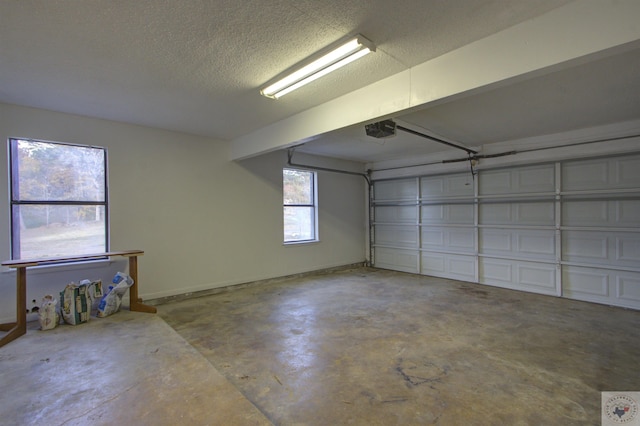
point(75, 304)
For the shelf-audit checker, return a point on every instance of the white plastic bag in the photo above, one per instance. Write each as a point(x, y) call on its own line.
point(48, 313)
point(111, 301)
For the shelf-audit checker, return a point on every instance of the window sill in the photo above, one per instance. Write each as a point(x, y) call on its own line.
point(297, 243)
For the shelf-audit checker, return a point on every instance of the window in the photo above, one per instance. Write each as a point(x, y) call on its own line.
point(58, 199)
point(300, 202)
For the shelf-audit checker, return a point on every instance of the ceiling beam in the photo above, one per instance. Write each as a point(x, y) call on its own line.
point(583, 30)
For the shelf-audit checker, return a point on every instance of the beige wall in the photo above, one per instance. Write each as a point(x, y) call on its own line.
point(203, 221)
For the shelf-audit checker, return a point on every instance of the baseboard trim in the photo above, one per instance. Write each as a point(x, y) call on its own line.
point(235, 287)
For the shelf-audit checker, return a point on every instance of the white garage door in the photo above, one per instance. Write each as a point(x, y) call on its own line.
point(568, 228)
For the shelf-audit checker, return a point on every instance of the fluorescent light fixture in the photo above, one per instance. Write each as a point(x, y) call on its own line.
point(353, 49)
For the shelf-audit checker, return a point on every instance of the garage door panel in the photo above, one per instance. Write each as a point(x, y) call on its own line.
point(518, 275)
point(525, 214)
point(437, 187)
point(494, 214)
point(462, 239)
point(618, 249)
point(628, 248)
point(538, 244)
point(585, 213)
point(433, 264)
point(398, 236)
point(584, 246)
point(536, 179)
point(601, 213)
point(495, 182)
point(537, 276)
point(460, 213)
point(462, 267)
point(627, 172)
point(627, 212)
point(593, 174)
point(609, 286)
point(448, 239)
point(433, 238)
point(495, 241)
point(628, 288)
point(406, 189)
point(432, 214)
point(584, 283)
point(432, 187)
point(542, 213)
point(531, 179)
point(601, 174)
point(397, 259)
point(448, 266)
point(496, 272)
point(447, 214)
point(404, 214)
point(459, 185)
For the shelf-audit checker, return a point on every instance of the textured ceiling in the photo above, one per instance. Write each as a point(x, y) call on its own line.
point(197, 66)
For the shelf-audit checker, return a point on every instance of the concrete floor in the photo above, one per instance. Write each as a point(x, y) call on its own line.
point(127, 369)
point(362, 347)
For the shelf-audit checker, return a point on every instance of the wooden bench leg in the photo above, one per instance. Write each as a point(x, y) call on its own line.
point(18, 328)
point(136, 303)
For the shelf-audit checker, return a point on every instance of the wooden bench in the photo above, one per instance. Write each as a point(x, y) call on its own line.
point(18, 328)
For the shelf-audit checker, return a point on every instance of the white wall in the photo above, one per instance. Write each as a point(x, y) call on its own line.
point(203, 221)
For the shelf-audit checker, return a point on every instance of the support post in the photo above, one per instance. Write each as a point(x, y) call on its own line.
point(18, 328)
point(135, 303)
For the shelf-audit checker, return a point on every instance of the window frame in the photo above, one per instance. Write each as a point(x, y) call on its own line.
point(13, 157)
point(313, 205)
